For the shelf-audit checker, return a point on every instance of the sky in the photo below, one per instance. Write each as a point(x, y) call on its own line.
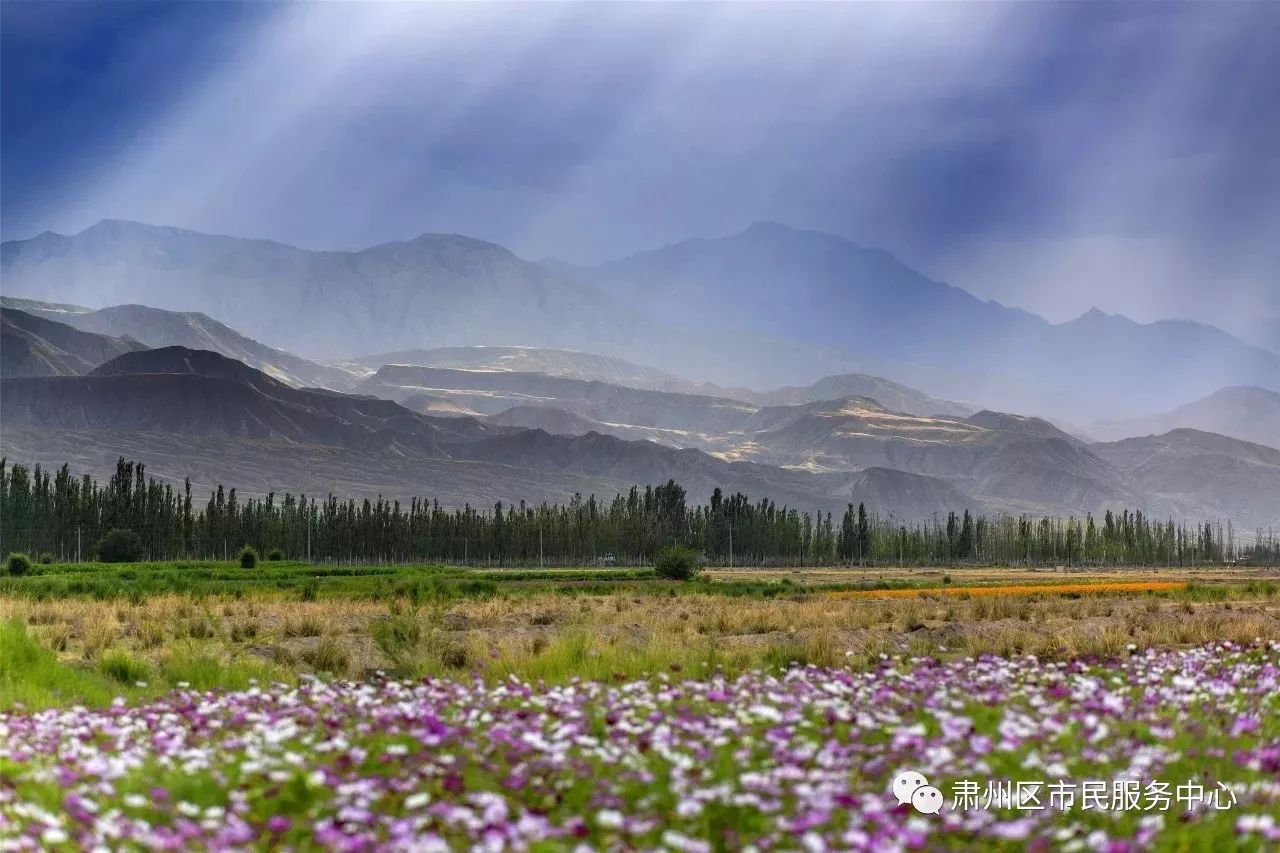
point(1051, 156)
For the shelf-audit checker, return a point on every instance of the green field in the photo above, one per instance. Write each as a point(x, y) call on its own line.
point(308, 581)
point(138, 581)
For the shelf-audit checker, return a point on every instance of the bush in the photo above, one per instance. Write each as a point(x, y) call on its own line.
point(248, 558)
point(275, 555)
point(19, 564)
point(120, 546)
point(328, 656)
point(677, 563)
point(123, 668)
point(46, 558)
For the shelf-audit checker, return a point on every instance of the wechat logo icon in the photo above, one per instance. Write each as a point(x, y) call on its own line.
point(911, 787)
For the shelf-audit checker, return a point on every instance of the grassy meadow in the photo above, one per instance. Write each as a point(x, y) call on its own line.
point(148, 638)
point(211, 624)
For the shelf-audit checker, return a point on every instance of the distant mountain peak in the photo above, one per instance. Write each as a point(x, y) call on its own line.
point(116, 222)
point(768, 225)
point(1095, 317)
point(770, 230)
point(452, 237)
point(1245, 412)
point(118, 226)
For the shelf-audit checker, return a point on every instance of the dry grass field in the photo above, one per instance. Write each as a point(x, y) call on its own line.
point(556, 636)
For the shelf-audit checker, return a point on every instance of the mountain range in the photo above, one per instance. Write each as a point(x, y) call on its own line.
point(1001, 460)
point(34, 346)
point(826, 290)
point(159, 328)
point(568, 364)
point(817, 305)
point(1246, 412)
point(172, 404)
point(1187, 471)
point(167, 404)
point(437, 289)
point(471, 407)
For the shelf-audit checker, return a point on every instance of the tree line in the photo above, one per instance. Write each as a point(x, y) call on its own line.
point(66, 517)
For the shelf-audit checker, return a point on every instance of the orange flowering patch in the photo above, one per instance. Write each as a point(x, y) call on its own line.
point(1013, 589)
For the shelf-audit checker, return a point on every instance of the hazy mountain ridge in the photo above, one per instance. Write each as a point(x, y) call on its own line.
point(34, 346)
point(820, 306)
point(1245, 412)
point(832, 292)
point(444, 289)
point(163, 400)
point(435, 290)
point(570, 364)
point(1017, 463)
point(806, 436)
point(1216, 476)
point(814, 456)
point(159, 328)
point(567, 364)
point(795, 439)
point(892, 395)
point(490, 392)
point(201, 393)
point(547, 419)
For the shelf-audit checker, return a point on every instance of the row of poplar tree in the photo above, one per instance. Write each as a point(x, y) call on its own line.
point(65, 516)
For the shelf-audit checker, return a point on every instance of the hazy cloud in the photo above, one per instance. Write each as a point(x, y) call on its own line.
point(1051, 156)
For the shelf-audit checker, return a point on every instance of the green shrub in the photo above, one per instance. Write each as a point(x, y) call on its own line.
point(310, 591)
point(19, 564)
point(203, 672)
point(120, 546)
point(46, 558)
point(121, 667)
point(248, 558)
point(275, 555)
point(677, 563)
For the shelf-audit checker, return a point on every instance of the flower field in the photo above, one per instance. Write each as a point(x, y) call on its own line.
point(804, 758)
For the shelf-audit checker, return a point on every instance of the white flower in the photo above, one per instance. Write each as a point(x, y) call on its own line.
point(689, 808)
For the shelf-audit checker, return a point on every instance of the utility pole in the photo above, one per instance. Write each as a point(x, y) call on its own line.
point(731, 544)
point(540, 546)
